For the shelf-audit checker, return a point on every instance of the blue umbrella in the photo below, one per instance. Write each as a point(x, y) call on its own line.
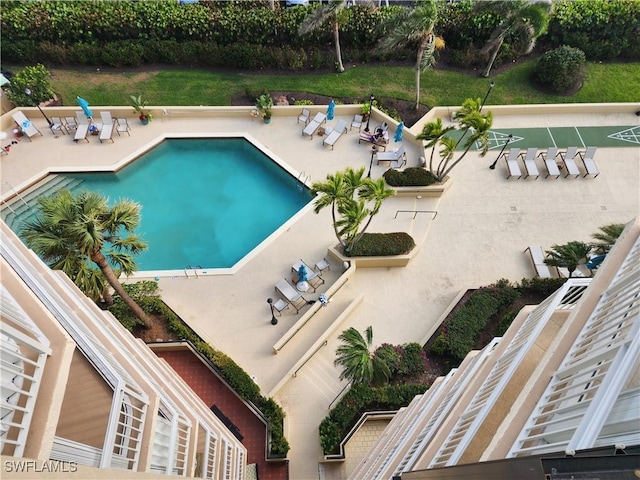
point(595, 262)
point(398, 136)
point(85, 106)
point(330, 110)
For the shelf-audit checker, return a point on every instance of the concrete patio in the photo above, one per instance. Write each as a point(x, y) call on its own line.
point(484, 223)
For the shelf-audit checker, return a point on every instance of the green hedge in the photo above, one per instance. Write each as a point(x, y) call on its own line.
point(383, 244)
point(409, 177)
point(358, 400)
point(145, 293)
point(457, 338)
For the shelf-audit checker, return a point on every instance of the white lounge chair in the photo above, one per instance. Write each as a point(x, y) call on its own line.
point(313, 278)
point(356, 122)
point(569, 160)
point(391, 156)
point(381, 141)
point(549, 159)
point(106, 132)
point(588, 162)
point(304, 116)
point(537, 257)
point(336, 133)
point(530, 162)
point(122, 125)
point(82, 130)
point(512, 162)
point(314, 124)
point(290, 294)
point(26, 127)
point(70, 123)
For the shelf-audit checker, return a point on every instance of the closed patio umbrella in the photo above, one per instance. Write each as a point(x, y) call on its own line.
point(85, 106)
point(398, 136)
point(331, 110)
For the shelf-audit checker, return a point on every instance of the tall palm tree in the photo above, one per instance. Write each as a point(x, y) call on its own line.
point(317, 18)
point(474, 126)
point(70, 233)
point(607, 236)
point(330, 193)
point(414, 26)
point(523, 21)
point(357, 358)
point(568, 256)
point(432, 133)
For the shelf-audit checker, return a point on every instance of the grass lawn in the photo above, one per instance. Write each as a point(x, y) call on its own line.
point(617, 82)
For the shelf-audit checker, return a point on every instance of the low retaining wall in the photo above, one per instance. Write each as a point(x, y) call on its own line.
point(375, 262)
point(433, 191)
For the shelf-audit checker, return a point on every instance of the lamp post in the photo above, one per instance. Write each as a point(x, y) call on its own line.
point(274, 320)
point(491, 85)
point(374, 149)
point(371, 99)
point(28, 92)
point(493, 165)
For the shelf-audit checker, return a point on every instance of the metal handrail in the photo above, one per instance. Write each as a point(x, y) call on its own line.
point(415, 212)
point(323, 344)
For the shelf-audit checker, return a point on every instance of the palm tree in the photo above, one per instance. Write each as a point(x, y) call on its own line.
point(432, 133)
point(568, 256)
point(523, 21)
point(414, 26)
point(475, 127)
point(607, 236)
point(319, 16)
point(70, 233)
point(349, 193)
point(357, 358)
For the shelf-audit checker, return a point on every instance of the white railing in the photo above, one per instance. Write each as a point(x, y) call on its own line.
point(582, 398)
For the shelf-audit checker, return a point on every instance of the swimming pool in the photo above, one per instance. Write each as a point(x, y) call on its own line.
point(206, 202)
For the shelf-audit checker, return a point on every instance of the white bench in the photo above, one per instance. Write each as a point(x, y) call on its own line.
point(537, 257)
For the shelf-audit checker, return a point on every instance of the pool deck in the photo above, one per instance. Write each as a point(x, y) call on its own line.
point(483, 225)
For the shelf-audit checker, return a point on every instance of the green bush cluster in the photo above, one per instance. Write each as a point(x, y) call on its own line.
point(381, 244)
point(409, 177)
point(457, 337)
point(561, 70)
point(403, 360)
point(217, 33)
point(145, 293)
point(358, 400)
point(540, 286)
point(37, 79)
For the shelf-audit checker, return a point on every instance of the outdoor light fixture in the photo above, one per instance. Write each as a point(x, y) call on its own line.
point(373, 97)
point(493, 165)
point(491, 85)
point(374, 149)
point(274, 320)
point(28, 92)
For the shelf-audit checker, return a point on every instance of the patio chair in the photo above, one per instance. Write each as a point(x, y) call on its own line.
point(537, 257)
point(280, 305)
point(314, 124)
point(529, 158)
point(356, 122)
point(381, 140)
point(122, 125)
point(549, 159)
point(336, 133)
point(304, 116)
point(82, 130)
point(322, 265)
point(392, 157)
point(290, 294)
point(569, 160)
point(512, 162)
point(106, 132)
point(70, 123)
point(588, 162)
point(57, 126)
point(26, 127)
point(313, 278)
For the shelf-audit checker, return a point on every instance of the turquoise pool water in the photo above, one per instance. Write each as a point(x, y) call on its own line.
point(205, 202)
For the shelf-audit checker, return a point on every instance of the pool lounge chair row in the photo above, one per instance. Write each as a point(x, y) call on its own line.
point(290, 294)
point(105, 130)
point(567, 162)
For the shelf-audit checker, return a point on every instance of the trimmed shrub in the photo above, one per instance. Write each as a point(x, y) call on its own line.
point(383, 244)
point(125, 53)
point(540, 286)
point(409, 177)
point(505, 322)
point(37, 78)
point(358, 400)
point(561, 70)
